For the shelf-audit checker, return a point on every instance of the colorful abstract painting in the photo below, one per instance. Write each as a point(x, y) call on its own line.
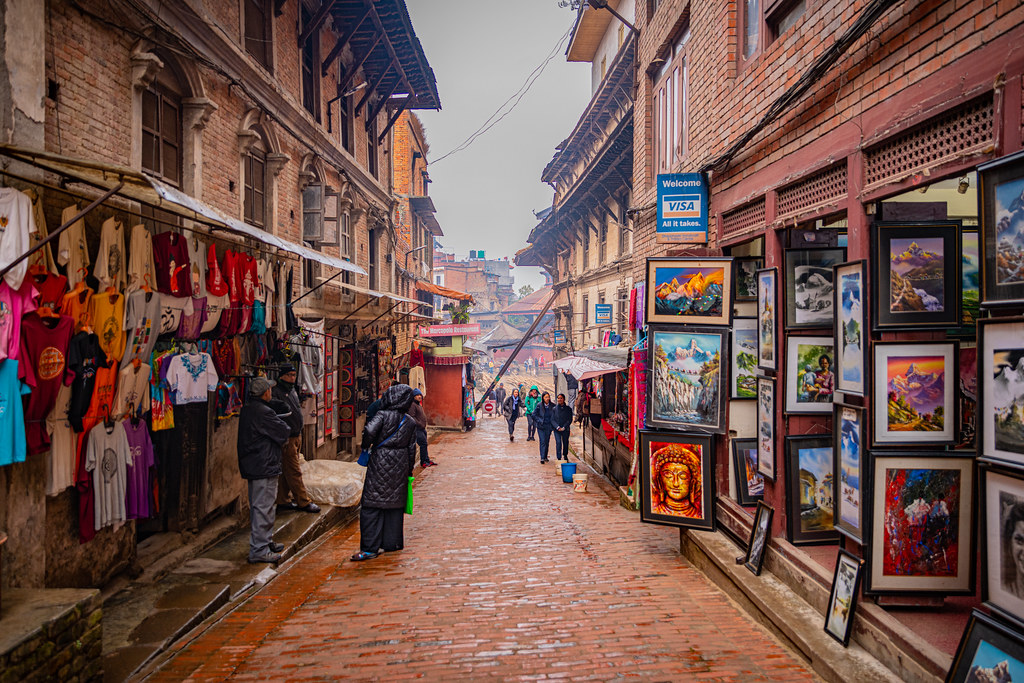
point(920, 509)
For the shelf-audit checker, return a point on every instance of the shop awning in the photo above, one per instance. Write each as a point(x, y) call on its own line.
point(584, 368)
point(142, 188)
point(613, 355)
point(443, 291)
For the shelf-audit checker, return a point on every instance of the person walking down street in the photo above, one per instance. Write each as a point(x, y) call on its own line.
point(510, 409)
point(561, 422)
point(543, 417)
point(500, 395)
point(290, 483)
point(532, 399)
point(572, 386)
point(417, 413)
point(262, 431)
point(391, 439)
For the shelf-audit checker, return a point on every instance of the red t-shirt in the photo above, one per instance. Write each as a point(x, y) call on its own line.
point(250, 281)
point(44, 351)
point(51, 290)
point(232, 315)
point(215, 283)
point(173, 267)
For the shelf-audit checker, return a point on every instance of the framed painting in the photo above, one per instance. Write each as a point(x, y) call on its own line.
point(920, 523)
point(677, 479)
point(842, 599)
point(766, 427)
point(914, 398)
point(848, 431)
point(695, 291)
point(970, 278)
point(1001, 195)
point(967, 363)
point(988, 651)
point(809, 285)
point(760, 534)
point(743, 382)
point(745, 277)
point(851, 359)
point(809, 496)
point(1002, 528)
point(684, 379)
point(810, 382)
point(1000, 408)
point(767, 305)
point(917, 275)
point(749, 483)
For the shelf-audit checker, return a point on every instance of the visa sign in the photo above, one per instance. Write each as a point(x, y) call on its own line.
point(682, 209)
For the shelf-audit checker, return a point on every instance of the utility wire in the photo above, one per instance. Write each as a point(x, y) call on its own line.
point(518, 95)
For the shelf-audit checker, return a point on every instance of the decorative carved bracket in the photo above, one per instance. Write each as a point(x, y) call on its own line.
point(276, 161)
point(246, 139)
point(145, 67)
point(197, 112)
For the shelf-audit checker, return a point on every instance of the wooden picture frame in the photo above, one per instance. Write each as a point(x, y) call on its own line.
point(810, 464)
point(914, 400)
point(749, 482)
point(1000, 394)
point(743, 352)
point(809, 285)
point(851, 333)
point(810, 380)
point(916, 279)
point(766, 427)
point(760, 538)
point(842, 598)
point(911, 548)
point(695, 291)
point(684, 369)
point(987, 648)
point(744, 270)
point(1002, 532)
point(849, 431)
point(677, 479)
point(1000, 186)
point(767, 321)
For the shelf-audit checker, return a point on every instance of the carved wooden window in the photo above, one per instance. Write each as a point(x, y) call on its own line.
point(671, 83)
point(310, 71)
point(254, 198)
point(161, 128)
point(257, 16)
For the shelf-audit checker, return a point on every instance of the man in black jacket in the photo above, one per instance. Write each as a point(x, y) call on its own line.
point(261, 433)
point(291, 472)
point(417, 413)
point(561, 422)
point(500, 395)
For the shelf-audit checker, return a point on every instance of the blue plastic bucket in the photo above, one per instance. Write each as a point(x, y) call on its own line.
point(568, 469)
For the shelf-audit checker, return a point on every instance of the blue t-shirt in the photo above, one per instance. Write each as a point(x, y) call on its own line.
point(12, 414)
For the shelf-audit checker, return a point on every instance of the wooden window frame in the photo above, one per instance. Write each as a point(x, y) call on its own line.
point(309, 68)
point(670, 110)
point(164, 97)
point(254, 158)
point(266, 59)
point(768, 15)
point(372, 160)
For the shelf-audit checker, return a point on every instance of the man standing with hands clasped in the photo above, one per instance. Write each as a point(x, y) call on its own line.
point(291, 474)
point(261, 433)
point(419, 416)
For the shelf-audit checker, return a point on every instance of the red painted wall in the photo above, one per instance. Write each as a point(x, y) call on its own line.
point(443, 402)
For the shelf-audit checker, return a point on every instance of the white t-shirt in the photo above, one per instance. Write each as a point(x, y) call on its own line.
point(107, 456)
point(61, 474)
point(190, 376)
point(265, 269)
point(110, 258)
point(172, 308)
point(215, 305)
point(72, 249)
point(140, 258)
point(133, 388)
point(16, 224)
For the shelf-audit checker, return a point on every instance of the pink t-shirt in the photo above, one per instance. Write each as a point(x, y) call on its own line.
point(13, 305)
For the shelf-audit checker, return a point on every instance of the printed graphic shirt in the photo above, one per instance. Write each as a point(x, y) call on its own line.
point(44, 349)
point(250, 281)
point(61, 470)
point(215, 282)
point(162, 410)
point(12, 415)
point(190, 376)
point(52, 289)
point(141, 449)
point(215, 305)
point(85, 357)
point(72, 249)
point(192, 325)
point(140, 259)
point(171, 311)
point(132, 390)
point(142, 322)
point(110, 259)
point(197, 262)
point(17, 223)
point(75, 304)
point(107, 456)
point(108, 323)
point(14, 304)
point(173, 270)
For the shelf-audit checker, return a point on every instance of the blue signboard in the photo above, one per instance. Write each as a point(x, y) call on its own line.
point(603, 314)
point(559, 337)
point(682, 209)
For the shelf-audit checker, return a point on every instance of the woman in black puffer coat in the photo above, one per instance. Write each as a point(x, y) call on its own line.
point(391, 439)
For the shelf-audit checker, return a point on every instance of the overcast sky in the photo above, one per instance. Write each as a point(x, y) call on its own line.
point(481, 52)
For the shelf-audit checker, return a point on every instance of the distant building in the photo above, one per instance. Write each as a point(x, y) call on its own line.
point(490, 281)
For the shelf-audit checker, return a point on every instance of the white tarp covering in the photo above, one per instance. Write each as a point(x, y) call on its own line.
point(584, 368)
point(332, 482)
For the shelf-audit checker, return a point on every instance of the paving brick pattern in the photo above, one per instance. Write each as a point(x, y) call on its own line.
point(506, 573)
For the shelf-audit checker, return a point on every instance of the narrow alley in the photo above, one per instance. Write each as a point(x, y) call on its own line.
point(506, 573)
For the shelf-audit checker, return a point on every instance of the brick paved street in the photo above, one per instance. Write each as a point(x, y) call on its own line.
point(506, 573)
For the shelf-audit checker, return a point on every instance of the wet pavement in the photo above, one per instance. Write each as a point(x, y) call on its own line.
point(506, 573)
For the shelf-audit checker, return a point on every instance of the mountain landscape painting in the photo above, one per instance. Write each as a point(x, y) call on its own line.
point(916, 275)
point(970, 273)
point(851, 319)
point(744, 358)
point(689, 292)
point(687, 373)
point(848, 501)
point(1008, 399)
point(1009, 211)
point(916, 393)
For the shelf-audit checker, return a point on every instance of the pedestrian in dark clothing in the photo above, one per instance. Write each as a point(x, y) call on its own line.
point(417, 413)
point(543, 417)
point(531, 402)
point(376, 405)
point(391, 439)
point(561, 422)
point(262, 431)
point(500, 395)
point(511, 409)
point(291, 475)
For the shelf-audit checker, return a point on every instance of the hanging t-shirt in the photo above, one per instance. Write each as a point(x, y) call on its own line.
point(172, 308)
point(75, 305)
point(61, 472)
point(161, 407)
point(51, 288)
point(197, 265)
point(140, 259)
point(141, 447)
point(110, 258)
point(266, 290)
point(231, 317)
point(44, 350)
point(191, 325)
point(142, 322)
point(250, 281)
point(132, 390)
point(72, 249)
point(215, 282)
point(14, 304)
point(229, 399)
point(107, 456)
point(43, 257)
point(259, 318)
point(170, 257)
point(215, 305)
point(190, 376)
point(225, 358)
point(85, 356)
point(17, 223)
point(12, 415)
point(108, 323)
point(280, 309)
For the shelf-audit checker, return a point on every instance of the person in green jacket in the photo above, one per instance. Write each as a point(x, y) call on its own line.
point(532, 399)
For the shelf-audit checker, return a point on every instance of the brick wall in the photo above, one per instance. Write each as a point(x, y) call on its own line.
point(66, 646)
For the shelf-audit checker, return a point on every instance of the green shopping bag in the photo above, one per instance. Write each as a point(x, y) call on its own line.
point(408, 497)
